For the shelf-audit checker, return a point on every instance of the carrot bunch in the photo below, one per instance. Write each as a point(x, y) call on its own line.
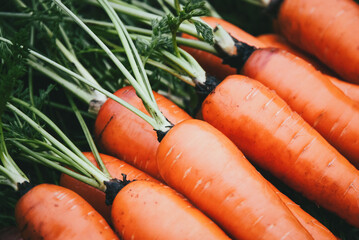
point(204, 161)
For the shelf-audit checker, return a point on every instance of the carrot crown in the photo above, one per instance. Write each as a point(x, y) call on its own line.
point(243, 52)
point(114, 186)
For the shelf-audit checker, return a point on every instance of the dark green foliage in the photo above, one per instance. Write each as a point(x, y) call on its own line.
point(12, 66)
point(204, 31)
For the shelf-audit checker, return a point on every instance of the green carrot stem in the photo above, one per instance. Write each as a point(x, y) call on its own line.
point(88, 137)
point(159, 121)
point(35, 157)
point(54, 127)
point(61, 157)
point(90, 168)
point(75, 89)
point(8, 177)
point(69, 109)
point(133, 57)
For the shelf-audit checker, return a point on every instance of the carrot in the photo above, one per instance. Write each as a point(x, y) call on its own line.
point(324, 28)
point(274, 40)
point(149, 210)
point(349, 89)
point(201, 163)
point(329, 111)
point(277, 41)
point(121, 133)
point(302, 216)
point(313, 226)
point(276, 138)
point(213, 64)
point(53, 212)
point(95, 197)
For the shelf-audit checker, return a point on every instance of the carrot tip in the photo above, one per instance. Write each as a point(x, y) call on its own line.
point(114, 186)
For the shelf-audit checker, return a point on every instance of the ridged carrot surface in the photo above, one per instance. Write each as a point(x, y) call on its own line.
point(309, 223)
point(309, 93)
point(349, 89)
point(121, 133)
point(277, 41)
point(96, 197)
point(313, 226)
point(213, 64)
point(149, 210)
point(204, 165)
point(53, 212)
point(274, 40)
point(276, 138)
point(327, 29)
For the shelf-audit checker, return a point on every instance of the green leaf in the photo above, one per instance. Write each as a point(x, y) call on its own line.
point(204, 30)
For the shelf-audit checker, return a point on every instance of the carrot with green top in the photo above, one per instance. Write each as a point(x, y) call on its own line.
point(95, 197)
point(277, 139)
point(309, 93)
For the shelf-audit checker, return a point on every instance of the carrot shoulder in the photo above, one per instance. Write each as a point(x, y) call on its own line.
point(53, 212)
point(308, 92)
point(149, 210)
point(95, 197)
point(276, 138)
point(273, 40)
point(204, 165)
point(213, 64)
point(121, 133)
point(324, 28)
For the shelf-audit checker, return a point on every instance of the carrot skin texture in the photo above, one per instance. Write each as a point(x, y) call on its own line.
point(121, 133)
point(313, 226)
point(349, 89)
point(276, 41)
point(149, 210)
point(213, 64)
point(273, 40)
point(308, 92)
point(54, 212)
point(277, 139)
point(205, 166)
point(96, 197)
point(326, 29)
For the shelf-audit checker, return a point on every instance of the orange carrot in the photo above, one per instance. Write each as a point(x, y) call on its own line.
point(204, 165)
point(277, 41)
point(326, 29)
point(213, 64)
point(95, 197)
point(303, 217)
point(54, 212)
point(121, 133)
point(276, 138)
point(149, 210)
point(308, 92)
point(313, 226)
point(349, 89)
point(274, 40)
